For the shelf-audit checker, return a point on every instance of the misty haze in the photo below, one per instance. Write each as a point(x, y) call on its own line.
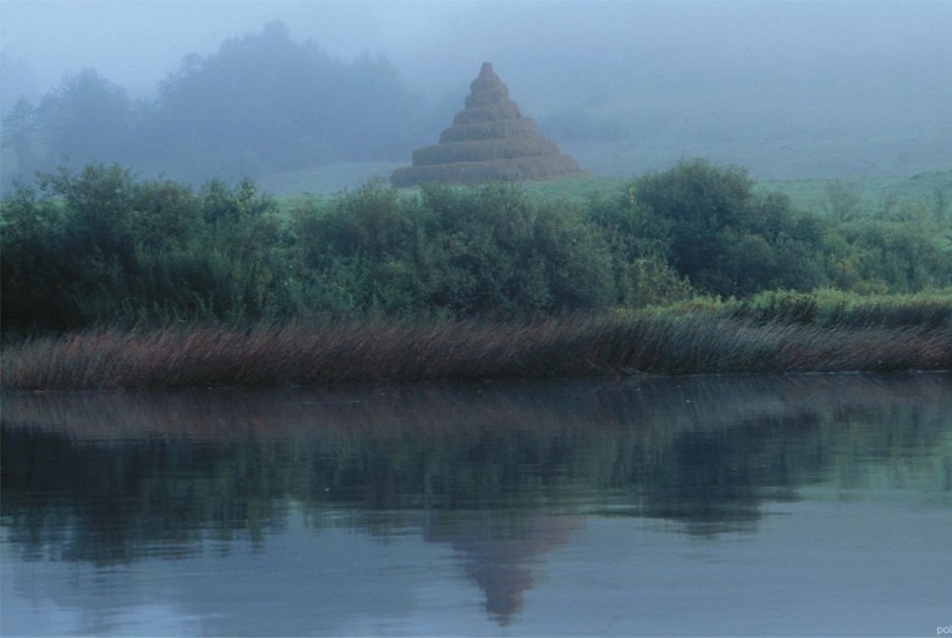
point(204, 89)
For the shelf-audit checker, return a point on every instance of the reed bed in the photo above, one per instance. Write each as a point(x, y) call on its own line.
point(572, 346)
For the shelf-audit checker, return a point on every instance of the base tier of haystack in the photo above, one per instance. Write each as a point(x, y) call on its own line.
point(490, 140)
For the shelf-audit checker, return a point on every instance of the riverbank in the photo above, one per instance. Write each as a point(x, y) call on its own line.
point(778, 333)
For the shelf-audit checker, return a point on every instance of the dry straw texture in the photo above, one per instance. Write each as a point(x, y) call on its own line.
point(484, 150)
point(488, 113)
point(522, 127)
point(489, 141)
point(472, 173)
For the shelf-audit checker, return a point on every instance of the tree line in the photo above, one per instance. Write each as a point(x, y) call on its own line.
point(103, 247)
point(261, 104)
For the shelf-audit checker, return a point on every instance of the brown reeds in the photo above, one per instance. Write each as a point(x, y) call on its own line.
point(573, 346)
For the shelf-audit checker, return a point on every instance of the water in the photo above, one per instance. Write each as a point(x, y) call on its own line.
point(800, 505)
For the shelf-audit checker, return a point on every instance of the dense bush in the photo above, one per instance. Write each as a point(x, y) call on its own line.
point(103, 248)
point(890, 256)
point(100, 247)
point(464, 252)
point(726, 239)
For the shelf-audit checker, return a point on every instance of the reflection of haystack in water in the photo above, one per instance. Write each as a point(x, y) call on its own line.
point(490, 140)
point(501, 554)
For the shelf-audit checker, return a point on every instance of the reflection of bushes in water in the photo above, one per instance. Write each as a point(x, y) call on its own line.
point(687, 450)
point(103, 503)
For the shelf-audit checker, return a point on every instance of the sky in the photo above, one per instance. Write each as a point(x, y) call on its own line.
point(856, 67)
point(135, 43)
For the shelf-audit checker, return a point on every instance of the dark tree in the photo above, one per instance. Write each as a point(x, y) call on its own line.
point(725, 237)
point(86, 119)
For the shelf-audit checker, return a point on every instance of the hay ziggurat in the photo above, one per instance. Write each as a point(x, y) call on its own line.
point(490, 140)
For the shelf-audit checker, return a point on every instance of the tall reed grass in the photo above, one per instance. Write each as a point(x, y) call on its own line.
point(609, 344)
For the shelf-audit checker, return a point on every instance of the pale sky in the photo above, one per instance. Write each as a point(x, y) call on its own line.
point(774, 73)
point(135, 43)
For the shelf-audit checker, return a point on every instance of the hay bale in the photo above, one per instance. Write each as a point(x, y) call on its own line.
point(489, 140)
point(522, 127)
point(487, 97)
point(470, 173)
point(488, 113)
point(486, 80)
point(484, 150)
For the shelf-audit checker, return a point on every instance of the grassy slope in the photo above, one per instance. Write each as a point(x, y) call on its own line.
point(876, 193)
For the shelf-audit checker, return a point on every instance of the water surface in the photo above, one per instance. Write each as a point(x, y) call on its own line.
point(778, 505)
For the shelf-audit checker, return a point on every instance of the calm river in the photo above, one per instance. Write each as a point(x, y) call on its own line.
point(761, 505)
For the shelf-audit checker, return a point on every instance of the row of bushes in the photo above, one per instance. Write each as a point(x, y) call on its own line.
point(103, 248)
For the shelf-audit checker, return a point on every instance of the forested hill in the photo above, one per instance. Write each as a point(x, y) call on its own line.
point(261, 104)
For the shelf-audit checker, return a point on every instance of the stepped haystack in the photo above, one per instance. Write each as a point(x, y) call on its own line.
point(490, 140)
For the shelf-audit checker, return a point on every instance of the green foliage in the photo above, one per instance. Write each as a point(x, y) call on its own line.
point(828, 308)
point(447, 251)
point(716, 231)
point(887, 256)
point(32, 268)
point(103, 248)
point(515, 254)
point(100, 247)
point(923, 198)
point(842, 201)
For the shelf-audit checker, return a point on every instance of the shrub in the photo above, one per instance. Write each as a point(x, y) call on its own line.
point(717, 232)
point(101, 248)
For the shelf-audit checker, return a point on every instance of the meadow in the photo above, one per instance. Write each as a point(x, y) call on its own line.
point(927, 192)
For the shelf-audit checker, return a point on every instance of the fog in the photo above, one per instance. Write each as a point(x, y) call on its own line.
point(136, 43)
point(787, 89)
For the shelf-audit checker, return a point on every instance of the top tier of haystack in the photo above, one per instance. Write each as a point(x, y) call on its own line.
point(490, 140)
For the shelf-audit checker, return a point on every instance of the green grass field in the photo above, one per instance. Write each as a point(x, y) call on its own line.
point(873, 194)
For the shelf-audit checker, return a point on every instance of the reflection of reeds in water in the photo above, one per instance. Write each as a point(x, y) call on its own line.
point(702, 449)
point(573, 346)
point(654, 406)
